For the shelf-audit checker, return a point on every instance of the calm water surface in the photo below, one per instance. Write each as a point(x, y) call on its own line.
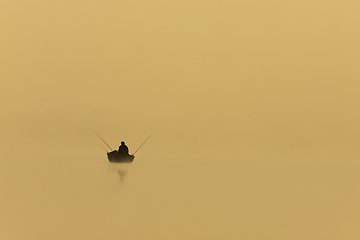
point(79, 195)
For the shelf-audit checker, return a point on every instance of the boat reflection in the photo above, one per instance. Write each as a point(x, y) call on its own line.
point(120, 168)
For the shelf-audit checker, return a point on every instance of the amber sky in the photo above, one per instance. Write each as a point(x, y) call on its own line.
point(254, 106)
point(250, 75)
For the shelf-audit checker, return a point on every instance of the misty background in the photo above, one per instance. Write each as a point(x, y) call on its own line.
point(253, 106)
point(220, 76)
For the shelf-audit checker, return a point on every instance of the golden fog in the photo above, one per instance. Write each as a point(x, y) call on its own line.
point(254, 106)
point(256, 77)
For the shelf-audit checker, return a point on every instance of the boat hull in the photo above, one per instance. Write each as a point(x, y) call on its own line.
point(115, 157)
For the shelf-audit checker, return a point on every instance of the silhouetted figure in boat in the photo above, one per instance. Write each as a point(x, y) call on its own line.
point(123, 150)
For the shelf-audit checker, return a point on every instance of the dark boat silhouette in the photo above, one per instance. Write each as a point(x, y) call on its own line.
point(114, 156)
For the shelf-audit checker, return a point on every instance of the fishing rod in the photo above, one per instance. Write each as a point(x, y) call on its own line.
point(142, 144)
point(102, 147)
point(104, 141)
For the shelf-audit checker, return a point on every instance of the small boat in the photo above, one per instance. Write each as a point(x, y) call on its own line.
point(114, 156)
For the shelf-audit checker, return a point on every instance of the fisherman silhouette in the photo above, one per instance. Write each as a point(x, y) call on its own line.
point(123, 150)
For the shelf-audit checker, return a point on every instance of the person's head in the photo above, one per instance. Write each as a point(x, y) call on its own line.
point(122, 143)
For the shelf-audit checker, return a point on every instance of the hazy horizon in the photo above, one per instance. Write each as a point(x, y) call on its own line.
point(222, 85)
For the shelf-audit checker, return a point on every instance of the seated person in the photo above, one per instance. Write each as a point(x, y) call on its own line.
point(123, 150)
